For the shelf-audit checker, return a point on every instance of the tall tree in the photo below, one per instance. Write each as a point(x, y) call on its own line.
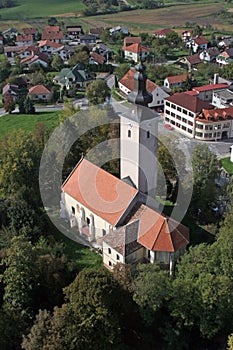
point(9, 103)
point(97, 92)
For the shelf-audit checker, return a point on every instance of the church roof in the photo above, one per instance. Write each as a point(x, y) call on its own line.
point(102, 193)
point(157, 232)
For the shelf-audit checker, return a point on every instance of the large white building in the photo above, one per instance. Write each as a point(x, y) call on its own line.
point(121, 214)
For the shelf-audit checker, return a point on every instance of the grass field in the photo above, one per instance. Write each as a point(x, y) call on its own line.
point(26, 122)
point(227, 165)
point(31, 12)
point(35, 9)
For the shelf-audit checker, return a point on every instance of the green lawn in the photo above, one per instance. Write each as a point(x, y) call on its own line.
point(27, 122)
point(227, 165)
point(36, 9)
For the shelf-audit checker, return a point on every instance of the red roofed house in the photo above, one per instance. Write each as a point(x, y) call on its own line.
point(175, 81)
point(126, 85)
point(31, 31)
point(120, 215)
point(35, 58)
point(162, 33)
point(24, 40)
point(214, 124)
point(49, 47)
point(129, 40)
point(52, 33)
point(198, 43)
point(39, 93)
point(95, 58)
point(135, 52)
point(205, 92)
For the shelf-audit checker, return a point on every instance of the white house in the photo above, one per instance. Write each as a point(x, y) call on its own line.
point(24, 40)
point(175, 80)
point(136, 52)
point(126, 85)
point(198, 43)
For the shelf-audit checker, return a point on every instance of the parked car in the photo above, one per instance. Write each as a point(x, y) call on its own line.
point(168, 126)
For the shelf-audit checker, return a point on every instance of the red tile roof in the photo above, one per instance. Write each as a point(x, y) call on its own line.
point(163, 32)
point(218, 114)
point(50, 43)
point(194, 59)
point(39, 90)
point(189, 102)
point(51, 29)
point(160, 233)
point(104, 194)
point(128, 82)
point(177, 78)
point(200, 40)
point(30, 31)
point(52, 36)
point(97, 58)
point(24, 38)
point(132, 40)
point(210, 87)
point(135, 48)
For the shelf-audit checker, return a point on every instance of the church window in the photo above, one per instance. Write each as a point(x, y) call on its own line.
point(117, 257)
point(73, 210)
point(129, 133)
point(109, 251)
point(88, 221)
point(109, 263)
point(148, 134)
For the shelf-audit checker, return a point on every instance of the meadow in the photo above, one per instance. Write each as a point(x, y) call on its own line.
point(176, 15)
point(10, 122)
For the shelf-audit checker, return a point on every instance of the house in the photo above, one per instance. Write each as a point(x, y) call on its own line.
point(87, 39)
point(78, 77)
point(30, 31)
point(225, 42)
point(129, 40)
point(35, 58)
point(175, 81)
point(189, 61)
point(118, 29)
point(49, 47)
point(24, 40)
point(225, 57)
point(119, 214)
point(205, 92)
point(186, 35)
point(64, 51)
point(222, 98)
point(104, 51)
point(135, 52)
point(56, 37)
point(214, 124)
point(198, 43)
point(11, 89)
point(126, 85)
point(95, 58)
point(73, 32)
point(52, 29)
point(27, 51)
point(39, 93)
point(10, 52)
point(162, 33)
point(181, 109)
point(209, 55)
point(10, 33)
point(96, 31)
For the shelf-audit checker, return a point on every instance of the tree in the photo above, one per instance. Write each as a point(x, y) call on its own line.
point(19, 159)
point(5, 70)
point(205, 171)
point(29, 106)
point(52, 21)
point(151, 290)
point(9, 103)
point(57, 62)
point(97, 92)
point(197, 30)
point(230, 342)
point(121, 70)
point(79, 57)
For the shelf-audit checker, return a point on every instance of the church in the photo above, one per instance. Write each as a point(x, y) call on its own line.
point(121, 215)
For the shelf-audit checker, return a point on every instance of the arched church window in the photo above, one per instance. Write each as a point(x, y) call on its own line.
point(129, 133)
point(148, 134)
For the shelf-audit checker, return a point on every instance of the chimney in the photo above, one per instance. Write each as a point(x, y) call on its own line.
point(216, 76)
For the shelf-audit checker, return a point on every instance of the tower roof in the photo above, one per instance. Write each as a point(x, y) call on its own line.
point(140, 95)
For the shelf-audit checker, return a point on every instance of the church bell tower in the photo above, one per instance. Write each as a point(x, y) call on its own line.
point(138, 138)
